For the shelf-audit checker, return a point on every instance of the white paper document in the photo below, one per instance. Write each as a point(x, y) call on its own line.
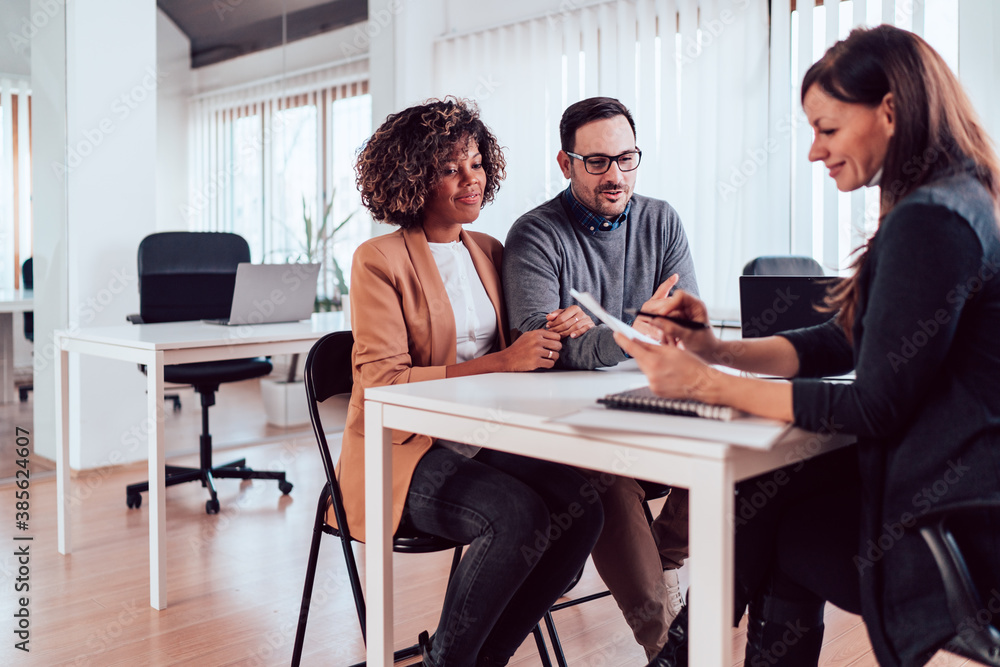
point(755, 432)
point(590, 303)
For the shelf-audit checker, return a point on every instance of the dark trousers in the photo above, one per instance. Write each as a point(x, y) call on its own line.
point(797, 532)
point(530, 526)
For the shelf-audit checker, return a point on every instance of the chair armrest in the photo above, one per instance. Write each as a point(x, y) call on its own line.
point(135, 318)
point(964, 602)
point(948, 510)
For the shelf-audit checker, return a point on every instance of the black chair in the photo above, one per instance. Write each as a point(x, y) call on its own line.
point(328, 372)
point(190, 276)
point(783, 265)
point(27, 282)
point(653, 491)
point(973, 640)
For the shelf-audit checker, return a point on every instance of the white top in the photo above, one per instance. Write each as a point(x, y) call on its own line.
point(475, 318)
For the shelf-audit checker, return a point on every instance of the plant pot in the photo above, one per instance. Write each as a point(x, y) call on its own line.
point(284, 402)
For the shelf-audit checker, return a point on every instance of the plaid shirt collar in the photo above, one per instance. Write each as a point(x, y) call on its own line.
point(590, 222)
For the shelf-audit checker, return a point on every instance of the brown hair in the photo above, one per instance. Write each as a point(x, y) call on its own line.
point(401, 163)
point(586, 111)
point(935, 129)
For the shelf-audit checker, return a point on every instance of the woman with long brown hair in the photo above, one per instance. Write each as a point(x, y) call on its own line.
point(918, 322)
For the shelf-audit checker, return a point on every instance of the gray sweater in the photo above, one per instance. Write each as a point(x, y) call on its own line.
point(547, 253)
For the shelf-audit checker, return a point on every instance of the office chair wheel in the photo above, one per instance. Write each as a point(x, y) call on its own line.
point(285, 487)
point(133, 500)
point(212, 506)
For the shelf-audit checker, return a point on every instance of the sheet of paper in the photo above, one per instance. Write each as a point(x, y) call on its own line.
point(590, 303)
point(752, 432)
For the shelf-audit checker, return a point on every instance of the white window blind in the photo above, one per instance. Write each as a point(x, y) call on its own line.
point(694, 73)
point(264, 156)
point(15, 179)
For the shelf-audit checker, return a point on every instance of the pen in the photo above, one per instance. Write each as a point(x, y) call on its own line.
point(682, 321)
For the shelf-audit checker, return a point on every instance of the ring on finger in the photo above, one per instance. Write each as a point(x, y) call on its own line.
point(550, 355)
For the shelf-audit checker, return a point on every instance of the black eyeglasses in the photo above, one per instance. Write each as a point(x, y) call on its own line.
point(599, 164)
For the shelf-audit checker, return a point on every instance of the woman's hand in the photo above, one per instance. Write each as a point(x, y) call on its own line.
point(532, 350)
point(671, 371)
point(572, 322)
point(681, 304)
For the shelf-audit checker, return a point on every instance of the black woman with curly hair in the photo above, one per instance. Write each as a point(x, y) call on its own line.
point(426, 303)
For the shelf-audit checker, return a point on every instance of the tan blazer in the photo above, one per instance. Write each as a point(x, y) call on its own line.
point(404, 331)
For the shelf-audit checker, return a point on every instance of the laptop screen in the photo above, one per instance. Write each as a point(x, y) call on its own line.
point(772, 304)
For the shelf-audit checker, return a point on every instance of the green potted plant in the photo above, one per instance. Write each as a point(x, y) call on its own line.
point(284, 399)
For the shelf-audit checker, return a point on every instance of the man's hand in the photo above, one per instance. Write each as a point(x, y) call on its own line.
point(569, 322)
point(644, 324)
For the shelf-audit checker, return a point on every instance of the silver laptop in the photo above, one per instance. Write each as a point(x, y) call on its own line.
point(266, 293)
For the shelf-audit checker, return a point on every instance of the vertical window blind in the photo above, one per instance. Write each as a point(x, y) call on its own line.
point(265, 157)
point(15, 179)
point(694, 73)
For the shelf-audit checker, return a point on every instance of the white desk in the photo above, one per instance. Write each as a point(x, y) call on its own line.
point(510, 412)
point(156, 346)
point(11, 301)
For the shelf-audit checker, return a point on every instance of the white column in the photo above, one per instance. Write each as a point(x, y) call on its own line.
point(979, 59)
point(96, 178)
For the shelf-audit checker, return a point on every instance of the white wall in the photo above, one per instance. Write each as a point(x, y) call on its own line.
point(979, 60)
point(173, 55)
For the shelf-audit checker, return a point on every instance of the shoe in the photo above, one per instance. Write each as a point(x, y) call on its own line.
point(675, 599)
point(675, 652)
point(791, 636)
point(424, 642)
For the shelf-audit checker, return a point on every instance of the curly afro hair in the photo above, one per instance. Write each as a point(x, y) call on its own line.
point(401, 163)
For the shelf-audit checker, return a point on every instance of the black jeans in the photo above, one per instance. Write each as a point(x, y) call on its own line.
point(797, 531)
point(530, 526)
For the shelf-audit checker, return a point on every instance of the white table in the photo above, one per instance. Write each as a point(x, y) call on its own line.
point(11, 301)
point(156, 346)
point(510, 412)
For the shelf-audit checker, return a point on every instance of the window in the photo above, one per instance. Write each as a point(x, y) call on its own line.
point(277, 168)
point(15, 180)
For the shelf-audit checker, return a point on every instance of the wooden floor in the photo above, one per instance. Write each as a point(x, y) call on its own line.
point(235, 578)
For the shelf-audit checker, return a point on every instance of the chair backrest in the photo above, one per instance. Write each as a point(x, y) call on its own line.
point(783, 265)
point(329, 371)
point(28, 282)
point(188, 275)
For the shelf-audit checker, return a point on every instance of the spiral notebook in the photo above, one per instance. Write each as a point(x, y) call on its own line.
point(645, 400)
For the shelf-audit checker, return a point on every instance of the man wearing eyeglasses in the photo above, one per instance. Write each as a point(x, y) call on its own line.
point(598, 236)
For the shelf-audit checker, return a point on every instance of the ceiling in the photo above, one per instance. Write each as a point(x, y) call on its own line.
point(224, 29)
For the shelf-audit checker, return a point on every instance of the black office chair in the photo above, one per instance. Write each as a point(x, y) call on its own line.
point(328, 371)
point(653, 491)
point(27, 282)
point(190, 276)
point(975, 641)
point(783, 265)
